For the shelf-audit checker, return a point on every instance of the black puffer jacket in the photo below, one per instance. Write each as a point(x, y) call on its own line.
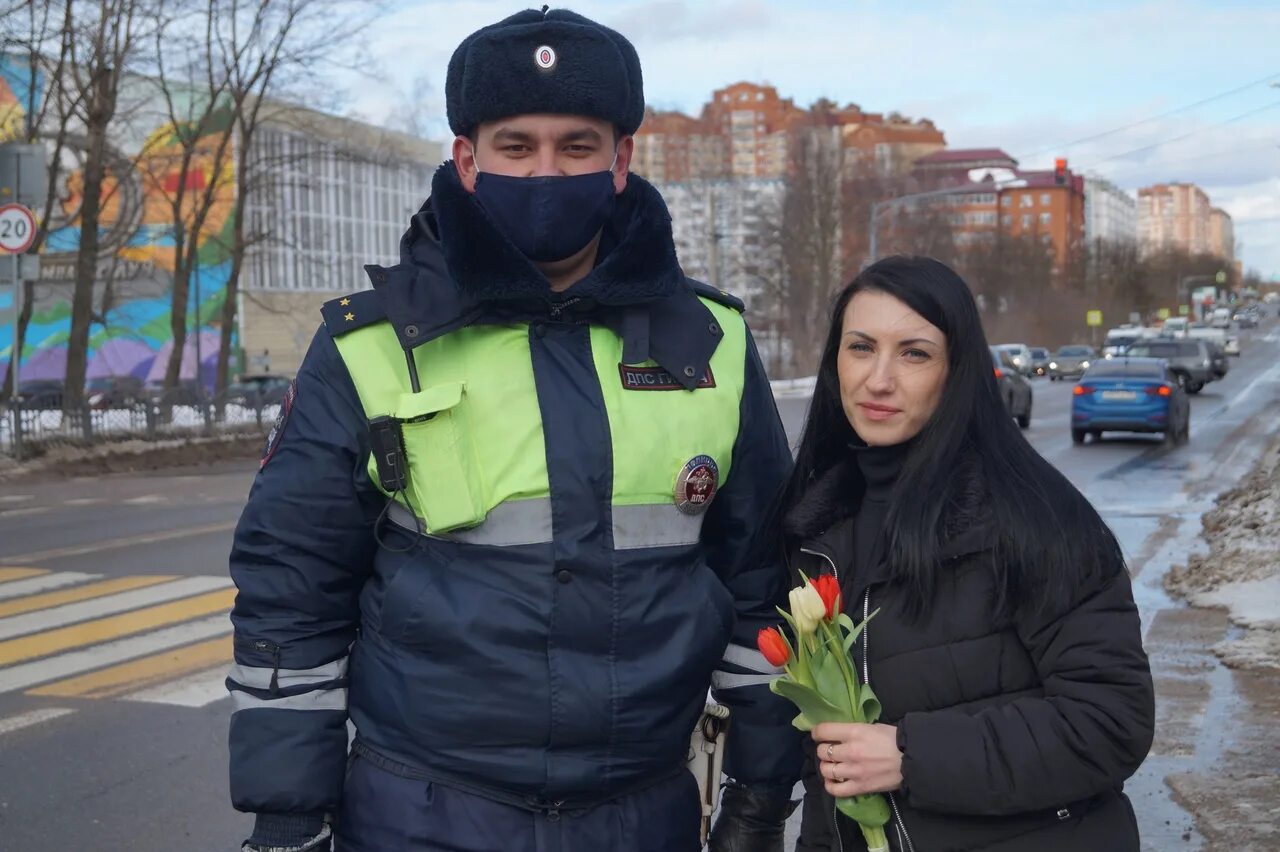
point(1017, 732)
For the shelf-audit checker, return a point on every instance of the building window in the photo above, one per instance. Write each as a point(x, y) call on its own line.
point(1026, 201)
point(1006, 201)
point(1046, 218)
point(1044, 199)
point(1026, 221)
point(1006, 220)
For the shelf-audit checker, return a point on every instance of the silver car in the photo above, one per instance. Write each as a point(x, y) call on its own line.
point(1070, 362)
point(1020, 354)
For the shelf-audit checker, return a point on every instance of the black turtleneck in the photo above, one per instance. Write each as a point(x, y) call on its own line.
point(880, 467)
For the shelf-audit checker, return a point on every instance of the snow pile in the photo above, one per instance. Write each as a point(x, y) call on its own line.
point(1241, 571)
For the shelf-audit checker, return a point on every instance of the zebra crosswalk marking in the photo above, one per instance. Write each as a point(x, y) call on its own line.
point(114, 627)
point(43, 583)
point(144, 671)
point(98, 607)
point(7, 574)
point(83, 660)
point(79, 593)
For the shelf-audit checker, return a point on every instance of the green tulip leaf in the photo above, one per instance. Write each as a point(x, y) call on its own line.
point(828, 680)
point(813, 707)
point(870, 810)
point(869, 703)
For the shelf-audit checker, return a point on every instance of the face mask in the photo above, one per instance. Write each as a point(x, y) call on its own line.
point(547, 218)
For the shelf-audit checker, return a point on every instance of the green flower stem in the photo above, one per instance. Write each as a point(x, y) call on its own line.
point(875, 837)
point(836, 644)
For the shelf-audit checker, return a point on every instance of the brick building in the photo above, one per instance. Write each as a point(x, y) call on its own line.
point(1222, 234)
point(745, 129)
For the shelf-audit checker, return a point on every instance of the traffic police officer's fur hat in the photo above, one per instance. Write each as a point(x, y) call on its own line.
point(549, 61)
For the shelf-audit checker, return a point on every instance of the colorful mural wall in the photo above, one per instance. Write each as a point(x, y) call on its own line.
point(131, 330)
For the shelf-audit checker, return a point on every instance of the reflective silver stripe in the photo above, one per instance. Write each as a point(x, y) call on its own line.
point(749, 658)
point(259, 677)
point(654, 525)
point(724, 680)
point(320, 699)
point(507, 524)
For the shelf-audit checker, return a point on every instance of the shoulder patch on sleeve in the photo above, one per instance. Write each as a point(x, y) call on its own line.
point(355, 310)
point(706, 291)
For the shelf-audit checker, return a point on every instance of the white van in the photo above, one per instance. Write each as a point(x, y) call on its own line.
point(1175, 327)
point(1220, 318)
point(1120, 339)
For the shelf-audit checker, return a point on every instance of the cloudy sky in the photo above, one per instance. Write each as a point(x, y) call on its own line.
point(1139, 92)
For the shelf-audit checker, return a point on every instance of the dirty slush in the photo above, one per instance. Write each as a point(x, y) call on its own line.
point(1236, 800)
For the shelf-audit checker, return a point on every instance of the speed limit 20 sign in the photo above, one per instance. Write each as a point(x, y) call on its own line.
point(17, 228)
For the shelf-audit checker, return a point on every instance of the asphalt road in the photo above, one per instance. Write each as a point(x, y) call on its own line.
point(114, 639)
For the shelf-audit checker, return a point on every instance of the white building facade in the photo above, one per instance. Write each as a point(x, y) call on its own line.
point(1110, 213)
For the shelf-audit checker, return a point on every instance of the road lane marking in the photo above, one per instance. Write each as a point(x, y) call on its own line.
point(108, 604)
point(113, 627)
point(146, 672)
point(7, 574)
point(194, 690)
point(6, 514)
point(64, 665)
point(32, 585)
point(31, 603)
point(34, 717)
point(117, 543)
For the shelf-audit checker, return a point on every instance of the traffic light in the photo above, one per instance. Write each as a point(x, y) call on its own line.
point(1060, 171)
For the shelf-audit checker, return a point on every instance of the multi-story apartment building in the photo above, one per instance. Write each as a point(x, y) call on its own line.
point(993, 197)
point(721, 232)
point(1173, 215)
point(1110, 213)
point(1222, 234)
point(744, 131)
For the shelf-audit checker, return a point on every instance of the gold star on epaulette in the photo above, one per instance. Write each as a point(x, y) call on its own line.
point(344, 302)
point(349, 317)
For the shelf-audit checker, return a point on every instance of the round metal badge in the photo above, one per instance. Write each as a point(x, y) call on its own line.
point(545, 56)
point(696, 485)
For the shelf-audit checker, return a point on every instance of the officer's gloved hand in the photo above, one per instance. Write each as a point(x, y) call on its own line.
point(752, 819)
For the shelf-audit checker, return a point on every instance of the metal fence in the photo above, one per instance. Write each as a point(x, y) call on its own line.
point(28, 426)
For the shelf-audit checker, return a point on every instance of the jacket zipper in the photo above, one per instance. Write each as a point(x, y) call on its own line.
point(835, 811)
point(866, 679)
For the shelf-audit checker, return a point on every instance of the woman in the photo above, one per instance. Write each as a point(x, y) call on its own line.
point(1006, 648)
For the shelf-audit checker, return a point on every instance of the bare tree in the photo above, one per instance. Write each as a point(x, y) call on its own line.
point(102, 39)
point(804, 234)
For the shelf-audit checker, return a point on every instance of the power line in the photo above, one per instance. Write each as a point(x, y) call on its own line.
point(1186, 135)
point(1103, 135)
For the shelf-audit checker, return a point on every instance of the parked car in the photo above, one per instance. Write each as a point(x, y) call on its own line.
point(1021, 355)
point(265, 389)
point(1070, 362)
point(1232, 346)
point(1015, 390)
point(1190, 361)
point(184, 394)
point(1039, 361)
point(43, 394)
point(1220, 318)
point(1246, 319)
point(1130, 394)
point(114, 392)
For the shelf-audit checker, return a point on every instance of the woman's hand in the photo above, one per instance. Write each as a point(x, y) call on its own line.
point(855, 758)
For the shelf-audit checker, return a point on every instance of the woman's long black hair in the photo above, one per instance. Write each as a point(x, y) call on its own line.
point(1049, 541)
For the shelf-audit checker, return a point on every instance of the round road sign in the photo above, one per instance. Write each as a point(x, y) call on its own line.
point(17, 228)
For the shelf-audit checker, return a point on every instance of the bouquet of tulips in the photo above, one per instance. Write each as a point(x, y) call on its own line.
point(819, 678)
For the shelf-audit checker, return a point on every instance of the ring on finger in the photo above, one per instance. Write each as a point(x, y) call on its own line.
point(831, 752)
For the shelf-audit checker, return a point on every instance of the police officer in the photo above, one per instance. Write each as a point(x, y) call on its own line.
point(502, 524)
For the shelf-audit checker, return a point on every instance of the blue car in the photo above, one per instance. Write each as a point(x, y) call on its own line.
point(1130, 395)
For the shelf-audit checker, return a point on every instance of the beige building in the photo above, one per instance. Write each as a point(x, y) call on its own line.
point(1174, 215)
point(1222, 234)
point(339, 196)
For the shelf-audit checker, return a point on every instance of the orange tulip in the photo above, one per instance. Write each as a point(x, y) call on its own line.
point(829, 590)
point(773, 646)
